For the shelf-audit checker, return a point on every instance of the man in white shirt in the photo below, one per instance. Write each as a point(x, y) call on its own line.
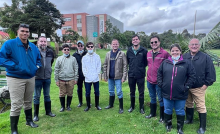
point(91, 66)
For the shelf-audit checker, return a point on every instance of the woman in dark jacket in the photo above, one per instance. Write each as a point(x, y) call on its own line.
point(175, 77)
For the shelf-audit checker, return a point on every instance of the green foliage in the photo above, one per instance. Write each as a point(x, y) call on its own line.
point(41, 15)
point(70, 35)
point(12, 35)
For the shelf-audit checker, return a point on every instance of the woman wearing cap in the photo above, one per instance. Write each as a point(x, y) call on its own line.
point(175, 77)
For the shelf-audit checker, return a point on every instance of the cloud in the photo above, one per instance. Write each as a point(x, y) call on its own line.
point(149, 16)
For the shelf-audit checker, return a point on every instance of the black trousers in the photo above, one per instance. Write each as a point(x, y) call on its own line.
point(132, 84)
point(80, 85)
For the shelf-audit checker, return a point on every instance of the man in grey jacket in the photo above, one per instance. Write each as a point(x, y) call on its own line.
point(43, 78)
point(115, 72)
point(66, 76)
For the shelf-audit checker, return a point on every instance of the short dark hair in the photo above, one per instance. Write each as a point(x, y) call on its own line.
point(41, 37)
point(89, 43)
point(176, 45)
point(65, 45)
point(155, 36)
point(135, 36)
point(24, 25)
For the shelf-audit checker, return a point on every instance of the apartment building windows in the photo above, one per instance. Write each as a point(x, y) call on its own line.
point(66, 27)
point(67, 19)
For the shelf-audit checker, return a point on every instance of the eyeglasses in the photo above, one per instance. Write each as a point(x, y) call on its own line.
point(194, 44)
point(90, 47)
point(24, 25)
point(154, 42)
point(80, 45)
point(66, 49)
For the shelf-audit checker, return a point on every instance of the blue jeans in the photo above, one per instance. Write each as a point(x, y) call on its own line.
point(88, 88)
point(112, 83)
point(39, 84)
point(178, 105)
point(154, 90)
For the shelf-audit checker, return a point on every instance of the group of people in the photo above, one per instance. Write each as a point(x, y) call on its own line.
point(177, 80)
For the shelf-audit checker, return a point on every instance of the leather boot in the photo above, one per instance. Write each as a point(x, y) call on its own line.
point(29, 120)
point(97, 103)
point(48, 109)
point(189, 115)
point(80, 99)
point(14, 124)
point(111, 102)
point(180, 123)
point(168, 121)
point(62, 102)
point(161, 114)
point(88, 104)
point(36, 112)
point(153, 108)
point(68, 102)
point(120, 106)
point(202, 119)
point(132, 105)
point(141, 102)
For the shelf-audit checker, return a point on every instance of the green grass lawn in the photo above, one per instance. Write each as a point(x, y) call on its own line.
point(109, 121)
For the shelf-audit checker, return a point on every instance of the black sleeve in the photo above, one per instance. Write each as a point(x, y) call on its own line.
point(191, 75)
point(210, 74)
point(160, 75)
point(145, 57)
point(127, 56)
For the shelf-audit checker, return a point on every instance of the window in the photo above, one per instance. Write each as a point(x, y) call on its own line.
point(67, 19)
point(79, 21)
point(66, 27)
point(79, 29)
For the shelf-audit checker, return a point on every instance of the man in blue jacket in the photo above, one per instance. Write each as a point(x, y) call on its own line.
point(21, 59)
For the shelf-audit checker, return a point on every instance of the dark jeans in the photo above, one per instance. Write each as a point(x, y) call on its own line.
point(132, 84)
point(88, 88)
point(80, 85)
point(39, 84)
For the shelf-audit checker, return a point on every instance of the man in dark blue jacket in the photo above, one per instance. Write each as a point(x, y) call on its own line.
point(21, 59)
point(205, 76)
point(43, 78)
point(137, 61)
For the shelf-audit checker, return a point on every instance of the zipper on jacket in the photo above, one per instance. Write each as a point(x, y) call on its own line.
point(176, 72)
point(171, 88)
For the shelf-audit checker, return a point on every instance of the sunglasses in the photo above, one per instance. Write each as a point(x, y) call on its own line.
point(24, 25)
point(80, 45)
point(66, 49)
point(90, 47)
point(154, 42)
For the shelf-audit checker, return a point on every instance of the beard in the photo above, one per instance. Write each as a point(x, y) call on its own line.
point(43, 47)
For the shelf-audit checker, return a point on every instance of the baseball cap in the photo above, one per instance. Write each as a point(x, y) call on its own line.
point(79, 41)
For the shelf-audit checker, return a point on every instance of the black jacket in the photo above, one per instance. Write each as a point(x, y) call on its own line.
point(175, 80)
point(44, 72)
point(79, 61)
point(205, 70)
point(137, 63)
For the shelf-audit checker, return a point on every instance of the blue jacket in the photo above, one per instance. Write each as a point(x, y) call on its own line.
point(19, 62)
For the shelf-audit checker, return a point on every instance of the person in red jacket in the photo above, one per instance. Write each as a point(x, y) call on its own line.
point(154, 58)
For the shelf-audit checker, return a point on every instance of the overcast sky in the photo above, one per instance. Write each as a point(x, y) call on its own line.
point(149, 15)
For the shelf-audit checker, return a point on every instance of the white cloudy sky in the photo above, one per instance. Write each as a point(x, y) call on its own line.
point(149, 15)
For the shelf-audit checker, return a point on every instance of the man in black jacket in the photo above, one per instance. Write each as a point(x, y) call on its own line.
point(78, 55)
point(137, 61)
point(205, 76)
point(43, 78)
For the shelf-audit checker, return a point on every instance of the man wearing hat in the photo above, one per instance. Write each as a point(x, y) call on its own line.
point(80, 52)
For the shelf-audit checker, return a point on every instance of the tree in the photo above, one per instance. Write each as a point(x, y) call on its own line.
point(71, 36)
point(41, 15)
point(128, 35)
